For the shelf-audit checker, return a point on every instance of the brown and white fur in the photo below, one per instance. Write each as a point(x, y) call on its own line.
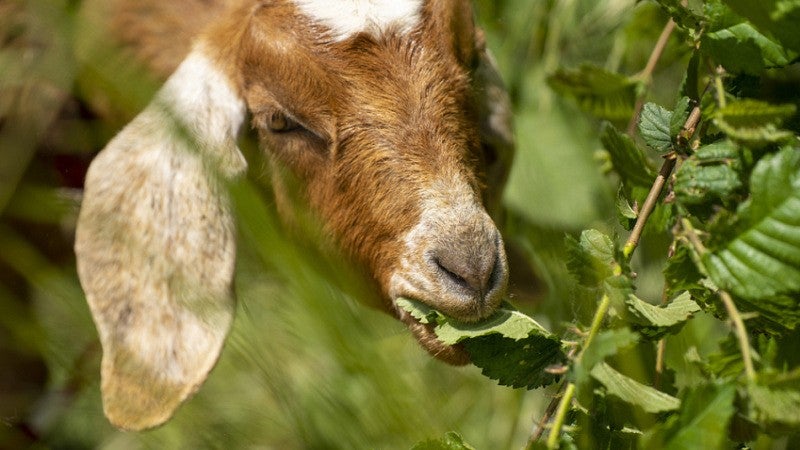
point(386, 119)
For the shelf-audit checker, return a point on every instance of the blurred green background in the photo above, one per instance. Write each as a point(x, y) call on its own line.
point(306, 365)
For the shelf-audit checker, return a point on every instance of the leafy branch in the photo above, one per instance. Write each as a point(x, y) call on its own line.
point(727, 199)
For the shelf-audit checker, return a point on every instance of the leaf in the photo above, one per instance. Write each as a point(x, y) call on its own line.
point(679, 116)
point(509, 346)
point(764, 259)
point(753, 122)
point(702, 421)
point(654, 127)
point(658, 320)
point(682, 15)
point(628, 161)
point(418, 310)
point(737, 44)
point(690, 86)
point(618, 288)
point(592, 259)
point(605, 95)
point(740, 48)
point(775, 17)
point(633, 392)
point(681, 273)
point(774, 407)
point(710, 175)
point(518, 364)
point(625, 213)
point(450, 441)
point(607, 343)
point(749, 113)
point(505, 322)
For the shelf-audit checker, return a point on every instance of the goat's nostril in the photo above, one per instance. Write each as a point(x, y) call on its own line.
point(471, 267)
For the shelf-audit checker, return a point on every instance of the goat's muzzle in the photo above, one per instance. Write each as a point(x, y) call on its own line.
point(454, 262)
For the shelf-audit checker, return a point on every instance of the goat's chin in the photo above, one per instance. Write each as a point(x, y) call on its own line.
point(451, 354)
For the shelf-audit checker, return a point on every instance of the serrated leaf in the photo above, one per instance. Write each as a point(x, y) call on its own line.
point(774, 407)
point(726, 363)
point(605, 95)
point(450, 441)
point(516, 363)
point(764, 259)
point(756, 137)
point(677, 311)
point(509, 346)
point(749, 113)
point(775, 17)
point(737, 44)
point(591, 259)
point(679, 116)
point(753, 122)
point(681, 273)
point(418, 310)
point(655, 321)
point(628, 161)
point(631, 391)
point(711, 174)
point(505, 322)
point(654, 127)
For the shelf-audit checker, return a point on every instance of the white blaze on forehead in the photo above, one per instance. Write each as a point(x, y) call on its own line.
point(346, 18)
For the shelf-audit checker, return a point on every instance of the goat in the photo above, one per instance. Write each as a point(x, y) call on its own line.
point(390, 114)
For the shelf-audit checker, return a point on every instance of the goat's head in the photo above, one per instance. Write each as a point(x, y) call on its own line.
point(385, 124)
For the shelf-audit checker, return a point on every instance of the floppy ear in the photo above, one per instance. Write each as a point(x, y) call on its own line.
point(155, 244)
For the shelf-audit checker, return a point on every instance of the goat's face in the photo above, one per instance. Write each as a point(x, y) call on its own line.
point(378, 125)
point(378, 133)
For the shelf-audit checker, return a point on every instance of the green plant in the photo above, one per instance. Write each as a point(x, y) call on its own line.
point(724, 210)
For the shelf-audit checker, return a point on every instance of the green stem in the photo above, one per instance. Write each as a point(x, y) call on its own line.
point(569, 392)
point(647, 74)
point(561, 414)
point(720, 88)
point(597, 321)
point(648, 205)
point(741, 334)
point(736, 318)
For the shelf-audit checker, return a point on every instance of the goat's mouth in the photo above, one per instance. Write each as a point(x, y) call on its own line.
point(426, 336)
point(450, 297)
point(465, 291)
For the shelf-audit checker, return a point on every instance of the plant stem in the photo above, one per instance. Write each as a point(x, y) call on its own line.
point(548, 412)
point(741, 334)
point(647, 73)
point(597, 321)
point(658, 185)
point(648, 205)
point(569, 392)
point(561, 414)
point(730, 307)
point(719, 87)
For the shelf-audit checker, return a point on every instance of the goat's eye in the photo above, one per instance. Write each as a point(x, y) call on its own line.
point(280, 122)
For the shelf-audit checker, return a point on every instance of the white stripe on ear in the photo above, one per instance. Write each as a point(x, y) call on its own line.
point(349, 17)
point(155, 244)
